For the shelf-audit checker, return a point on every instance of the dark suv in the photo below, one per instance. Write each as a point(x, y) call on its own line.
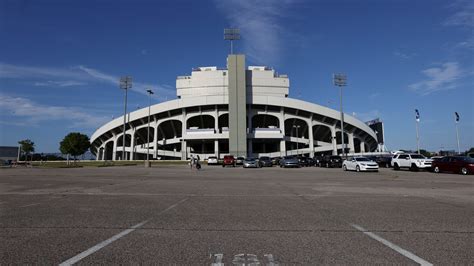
point(331, 161)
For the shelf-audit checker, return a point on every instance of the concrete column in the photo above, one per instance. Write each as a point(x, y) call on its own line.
point(216, 148)
point(237, 105)
point(334, 140)
point(281, 119)
point(132, 145)
point(114, 152)
point(362, 146)
point(310, 135)
point(351, 142)
point(184, 147)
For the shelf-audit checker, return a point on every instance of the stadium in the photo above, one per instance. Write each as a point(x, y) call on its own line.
point(238, 110)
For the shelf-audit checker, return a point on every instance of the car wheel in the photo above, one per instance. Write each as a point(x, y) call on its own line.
point(436, 169)
point(464, 171)
point(396, 167)
point(414, 168)
point(357, 169)
point(344, 168)
point(223, 165)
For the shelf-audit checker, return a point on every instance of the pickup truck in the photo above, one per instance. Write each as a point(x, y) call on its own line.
point(414, 162)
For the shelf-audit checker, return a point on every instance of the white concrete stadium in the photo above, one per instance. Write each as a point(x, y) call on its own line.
point(243, 111)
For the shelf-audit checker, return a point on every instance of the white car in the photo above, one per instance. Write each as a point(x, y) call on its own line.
point(212, 160)
point(411, 161)
point(360, 164)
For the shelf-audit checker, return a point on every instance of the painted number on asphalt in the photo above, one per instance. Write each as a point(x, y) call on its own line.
point(244, 260)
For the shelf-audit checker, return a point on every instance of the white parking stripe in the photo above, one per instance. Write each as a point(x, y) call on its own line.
point(105, 243)
point(389, 244)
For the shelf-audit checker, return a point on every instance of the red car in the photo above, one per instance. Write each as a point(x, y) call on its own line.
point(456, 164)
point(228, 160)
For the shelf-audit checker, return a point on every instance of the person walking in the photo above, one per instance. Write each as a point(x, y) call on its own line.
point(191, 162)
point(198, 164)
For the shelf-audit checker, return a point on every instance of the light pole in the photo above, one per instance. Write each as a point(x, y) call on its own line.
point(231, 35)
point(125, 83)
point(147, 164)
point(456, 118)
point(417, 119)
point(340, 80)
point(297, 139)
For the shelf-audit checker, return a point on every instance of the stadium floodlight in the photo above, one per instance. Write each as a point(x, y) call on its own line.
point(125, 83)
point(231, 35)
point(340, 80)
point(147, 164)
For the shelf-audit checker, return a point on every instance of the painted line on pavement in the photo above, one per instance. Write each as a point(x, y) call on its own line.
point(391, 245)
point(109, 241)
point(29, 205)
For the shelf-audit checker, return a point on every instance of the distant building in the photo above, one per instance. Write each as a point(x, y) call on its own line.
point(238, 110)
point(8, 153)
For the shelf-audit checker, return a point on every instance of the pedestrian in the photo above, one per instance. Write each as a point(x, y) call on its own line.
point(198, 164)
point(191, 162)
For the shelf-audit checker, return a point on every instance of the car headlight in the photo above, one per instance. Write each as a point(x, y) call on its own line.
point(363, 164)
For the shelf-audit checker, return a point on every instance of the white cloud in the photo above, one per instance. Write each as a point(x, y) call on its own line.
point(260, 24)
point(32, 114)
point(404, 56)
point(62, 83)
point(76, 76)
point(463, 15)
point(438, 79)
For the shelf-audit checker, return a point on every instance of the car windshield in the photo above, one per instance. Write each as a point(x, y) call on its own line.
point(362, 159)
point(264, 158)
point(417, 156)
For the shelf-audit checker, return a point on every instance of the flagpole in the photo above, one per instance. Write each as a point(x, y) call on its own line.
point(417, 137)
point(417, 119)
point(457, 136)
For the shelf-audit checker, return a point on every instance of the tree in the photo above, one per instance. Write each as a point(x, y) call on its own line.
point(27, 146)
point(74, 144)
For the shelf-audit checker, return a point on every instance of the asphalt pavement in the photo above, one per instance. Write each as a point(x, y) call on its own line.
point(234, 216)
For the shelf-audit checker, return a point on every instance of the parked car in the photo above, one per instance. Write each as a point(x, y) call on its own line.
point(317, 160)
point(304, 161)
point(411, 161)
point(212, 160)
point(228, 160)
point(360, 164)
point(331, 161)
point(266, 161)
point(239, 160)
point(289, 161)
point(252, 163)
point(456, 164)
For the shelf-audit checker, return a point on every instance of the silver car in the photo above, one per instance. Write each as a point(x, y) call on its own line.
point(251, 163)
point(289, 161)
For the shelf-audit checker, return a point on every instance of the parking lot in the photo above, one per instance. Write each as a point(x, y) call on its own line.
point(234, 216)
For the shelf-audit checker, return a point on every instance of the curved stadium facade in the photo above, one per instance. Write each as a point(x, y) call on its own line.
point(237, 110)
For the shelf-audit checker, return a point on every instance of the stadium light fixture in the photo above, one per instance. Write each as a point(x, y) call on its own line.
point(231, 35)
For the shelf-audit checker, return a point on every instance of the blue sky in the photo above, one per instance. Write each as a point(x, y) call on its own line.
point(60, 61)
